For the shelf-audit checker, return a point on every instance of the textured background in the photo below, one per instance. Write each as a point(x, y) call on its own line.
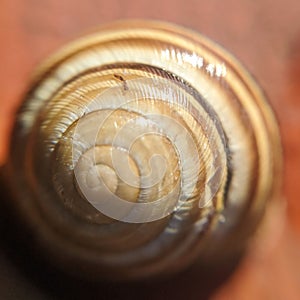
point(263, 34)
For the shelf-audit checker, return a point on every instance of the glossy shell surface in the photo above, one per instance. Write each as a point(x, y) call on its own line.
point(140, 149)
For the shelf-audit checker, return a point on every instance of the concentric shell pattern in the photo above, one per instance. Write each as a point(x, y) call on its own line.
point(140, 149)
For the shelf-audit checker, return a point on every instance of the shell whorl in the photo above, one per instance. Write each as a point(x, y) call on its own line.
point(139, 146)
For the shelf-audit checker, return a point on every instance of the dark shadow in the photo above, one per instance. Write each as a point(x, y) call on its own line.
point(191, 284)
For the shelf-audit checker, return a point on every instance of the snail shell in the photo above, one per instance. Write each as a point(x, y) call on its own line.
point(140, 149)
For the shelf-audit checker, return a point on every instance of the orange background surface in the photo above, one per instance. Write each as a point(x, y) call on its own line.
point(263, 34)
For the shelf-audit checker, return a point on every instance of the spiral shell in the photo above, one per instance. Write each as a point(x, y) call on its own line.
point(139, 149)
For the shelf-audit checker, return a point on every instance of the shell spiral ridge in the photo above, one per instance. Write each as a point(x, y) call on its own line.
point(141, 145)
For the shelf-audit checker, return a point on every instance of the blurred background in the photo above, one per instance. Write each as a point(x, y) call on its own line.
point(264, 35)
